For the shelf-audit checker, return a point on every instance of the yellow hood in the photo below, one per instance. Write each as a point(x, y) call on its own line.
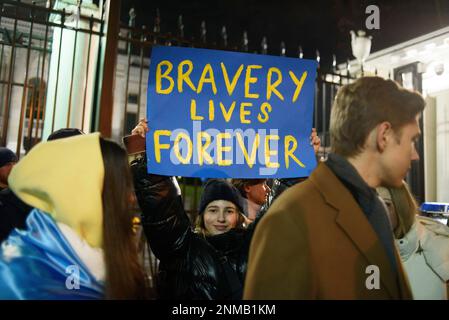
point(65, 179)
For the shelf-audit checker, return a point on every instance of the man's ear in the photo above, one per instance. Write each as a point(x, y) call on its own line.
point(383, 134)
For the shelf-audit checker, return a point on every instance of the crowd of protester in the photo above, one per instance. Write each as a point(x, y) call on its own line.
point(66, 221)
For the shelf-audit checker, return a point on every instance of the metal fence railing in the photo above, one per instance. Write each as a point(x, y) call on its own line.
point(49, 73)
point(134, 48)
point(40, 80)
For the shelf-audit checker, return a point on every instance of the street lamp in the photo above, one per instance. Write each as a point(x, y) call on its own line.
point(361, 46)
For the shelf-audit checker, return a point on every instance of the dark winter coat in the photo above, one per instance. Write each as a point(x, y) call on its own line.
point(191, 266)
point(13, 213)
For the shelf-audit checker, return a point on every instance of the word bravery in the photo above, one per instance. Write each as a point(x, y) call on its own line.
point(273, 79)
point(225, 114)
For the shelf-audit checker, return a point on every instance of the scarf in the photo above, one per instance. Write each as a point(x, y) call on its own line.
point(368, 200)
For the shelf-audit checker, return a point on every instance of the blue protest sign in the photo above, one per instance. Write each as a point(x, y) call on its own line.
point(228, 114)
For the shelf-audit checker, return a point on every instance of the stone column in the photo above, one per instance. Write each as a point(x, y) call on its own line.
point(442, 145)
point(430, 164)
point(59, 97)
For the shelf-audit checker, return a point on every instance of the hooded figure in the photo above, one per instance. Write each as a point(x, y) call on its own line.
point(13, 211)
point(423, 244)
point(65, 250)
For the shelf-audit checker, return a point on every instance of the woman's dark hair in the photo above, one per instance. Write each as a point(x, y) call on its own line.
point(125, 278)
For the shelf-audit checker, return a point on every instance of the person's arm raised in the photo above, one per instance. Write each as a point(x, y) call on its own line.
point(164, 221)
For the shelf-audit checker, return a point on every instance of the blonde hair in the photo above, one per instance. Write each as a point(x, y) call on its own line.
point(360, 106)
point(405, 208)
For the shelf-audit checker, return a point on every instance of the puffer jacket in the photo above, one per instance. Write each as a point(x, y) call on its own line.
point(191, 266)
point(424, 252)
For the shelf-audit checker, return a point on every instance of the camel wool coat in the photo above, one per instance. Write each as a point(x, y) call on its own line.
point(316, 243)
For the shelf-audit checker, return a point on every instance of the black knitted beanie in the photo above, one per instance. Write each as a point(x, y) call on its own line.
point(220, 189)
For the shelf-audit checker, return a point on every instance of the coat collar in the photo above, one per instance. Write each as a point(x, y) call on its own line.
point(354, 223)
point(227, 242)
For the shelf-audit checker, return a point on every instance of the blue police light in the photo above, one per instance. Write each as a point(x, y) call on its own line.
point(436, 210)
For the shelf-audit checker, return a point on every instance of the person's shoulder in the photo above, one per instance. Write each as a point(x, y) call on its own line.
point(433, 235)
point(294, 203)
point(7, 196)
point(436, 228)
point(10, 202)
point(4, 192)
point(434, 240)
point(297, 195)
point(432, 223)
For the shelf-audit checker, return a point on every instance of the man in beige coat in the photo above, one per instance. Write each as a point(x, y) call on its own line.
point(329, 237)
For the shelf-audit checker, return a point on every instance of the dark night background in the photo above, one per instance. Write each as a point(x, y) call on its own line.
point(320, 24)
